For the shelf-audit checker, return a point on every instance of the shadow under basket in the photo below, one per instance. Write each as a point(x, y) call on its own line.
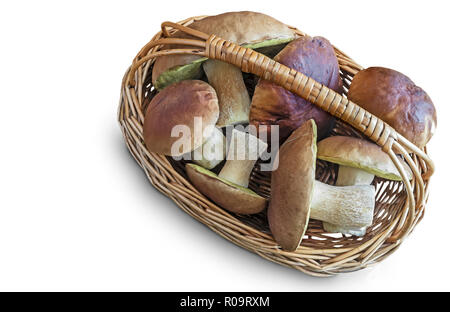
point(399, 204)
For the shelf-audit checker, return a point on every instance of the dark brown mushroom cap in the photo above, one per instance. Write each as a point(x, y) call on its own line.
point(292, 187)
point(394, 98)
point(274, 105)
point(176, 105)
point(226, 194)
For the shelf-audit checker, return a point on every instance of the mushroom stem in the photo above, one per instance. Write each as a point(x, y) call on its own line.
point(244, 151)
point(353, 176)
point(212, 152)
point(234, 101)
point(344, 206)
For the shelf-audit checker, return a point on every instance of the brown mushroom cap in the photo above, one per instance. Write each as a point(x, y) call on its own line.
point(292, 187)
point(226, 194)
point(359, 153)
point(246, 28)
point(394, 98)
point(274, 105)
point(178, 104)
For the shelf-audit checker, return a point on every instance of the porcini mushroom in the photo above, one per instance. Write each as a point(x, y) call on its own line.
point(249, 29)
point(234, 101)
point(296, 195)
point(229, 189)
point(189, 106)
point(359, 162)
point(274, 105)
point(393, 97)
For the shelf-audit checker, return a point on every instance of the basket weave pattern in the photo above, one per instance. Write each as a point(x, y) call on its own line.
point(399, 205)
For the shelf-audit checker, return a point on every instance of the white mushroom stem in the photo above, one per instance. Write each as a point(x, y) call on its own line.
point(244, 151)
point(234, 101)
point(345, 206)
point(212, 152)
point(353, 176)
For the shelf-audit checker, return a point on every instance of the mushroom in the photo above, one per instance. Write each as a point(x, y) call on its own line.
point(394, 98)
point(296, 195)
point(234, 101)
point(249, 29)
point(274, 105)
point(230, 189)
point(359, 162)
point(189, 108)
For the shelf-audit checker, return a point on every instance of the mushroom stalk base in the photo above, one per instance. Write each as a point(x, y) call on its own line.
point(345, 206)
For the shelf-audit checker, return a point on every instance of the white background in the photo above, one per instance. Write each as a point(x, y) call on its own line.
point(77, 213)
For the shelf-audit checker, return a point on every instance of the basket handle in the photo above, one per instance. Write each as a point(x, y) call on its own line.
point(250, 61)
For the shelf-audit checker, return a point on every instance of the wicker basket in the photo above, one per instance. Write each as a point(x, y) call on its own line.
point(399, 205)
